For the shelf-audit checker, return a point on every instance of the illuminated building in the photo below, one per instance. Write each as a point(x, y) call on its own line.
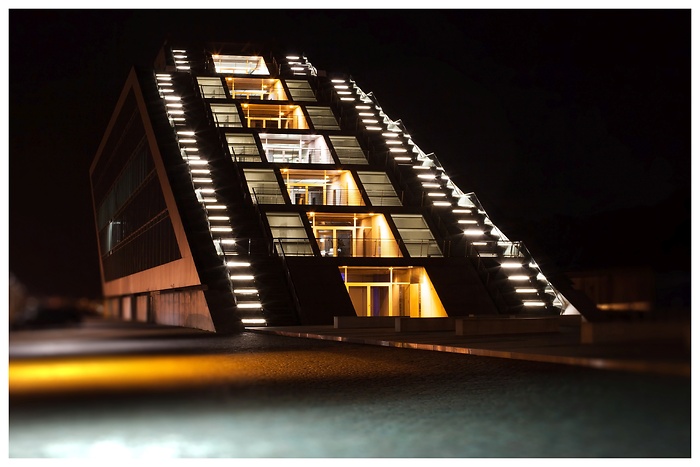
point(233, 186)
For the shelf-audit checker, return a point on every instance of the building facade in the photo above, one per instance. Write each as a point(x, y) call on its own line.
point(240, 188)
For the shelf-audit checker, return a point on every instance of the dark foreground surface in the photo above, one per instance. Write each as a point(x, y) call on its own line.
point(116, 390)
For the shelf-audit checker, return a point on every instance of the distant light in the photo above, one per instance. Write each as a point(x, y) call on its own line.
point(437, 194)
point(215, 206)
point(397, 150)
point(185, 132)
point(202, 180)
point(479, 243)
point(221, 229)
point(430, 185)
point(473, 232)
point(442, 203)
point(467, 221)
point(363, 107)
point(374, 128)
point(421, 167)
point(292, 57)
point(402, 158)
point(218, 218)
point(525, 290)
point(338, 81)
point(393, 141)
point(174, 105)
point(369, 120)
point(173, 98)
point(200, 171)
point(228, 241)
point(390, 135)
point(462, 211)
point(250, 305)
point(245, 291)
point(365, 114)
point(237, 264)
point(533, 303)
point(188, 140)
point(426, 176)
point(347, 98)
point(511, 265)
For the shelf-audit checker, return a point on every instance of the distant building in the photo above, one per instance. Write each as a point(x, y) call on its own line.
point(236, 187)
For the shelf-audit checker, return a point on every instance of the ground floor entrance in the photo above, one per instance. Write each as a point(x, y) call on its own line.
point(392, 291)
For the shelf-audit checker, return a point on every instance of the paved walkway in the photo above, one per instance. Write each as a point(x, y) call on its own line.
point(564, 347)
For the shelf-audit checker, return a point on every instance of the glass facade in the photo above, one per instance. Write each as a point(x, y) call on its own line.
point(134, 227)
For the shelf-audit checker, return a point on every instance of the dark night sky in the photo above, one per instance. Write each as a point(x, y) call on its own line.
point(572, 126)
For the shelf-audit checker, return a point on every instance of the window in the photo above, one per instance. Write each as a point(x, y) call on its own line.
point(265, 89)
point(288, 233)
point(297, 149)
point(379, 189)
point(211, 87)
point(416, 235)
point(348, 150)
point(301, 90)
point(263, 186)
point(226, 115)
point(392, 291)
point(240, 64)
point(322, 118)
point(274, 116)
point(322, 187)
point(243, 148)
point(353, 235)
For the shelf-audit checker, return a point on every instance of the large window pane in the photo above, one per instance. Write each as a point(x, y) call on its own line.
point(379, 189)
point(288, 234)
point(243, 148)
point(226, 115)
point(263, 186)
point(240, 64)
point(211, 87)
point(348, 150)
point(416, 235)
point(298, 149)
point(322, 118)
point(301, 90)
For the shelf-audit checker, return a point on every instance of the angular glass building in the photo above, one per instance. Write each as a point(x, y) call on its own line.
point(235, 187)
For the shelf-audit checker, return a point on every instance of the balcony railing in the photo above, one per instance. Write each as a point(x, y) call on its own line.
point(359, 247)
